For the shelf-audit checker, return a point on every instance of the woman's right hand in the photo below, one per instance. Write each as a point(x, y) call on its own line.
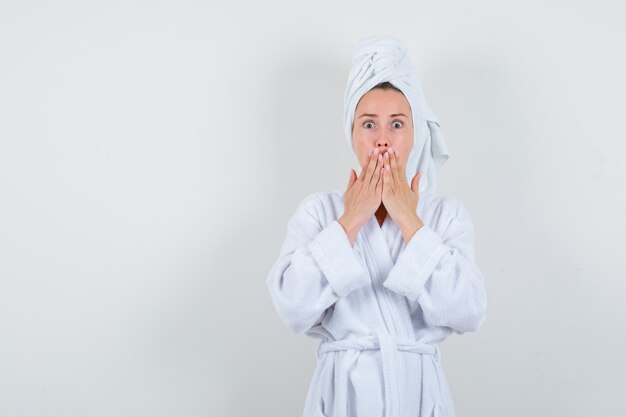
point(363, 196)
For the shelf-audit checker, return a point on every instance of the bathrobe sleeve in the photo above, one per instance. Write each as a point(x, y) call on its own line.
point(440, 273)
point(316, 266)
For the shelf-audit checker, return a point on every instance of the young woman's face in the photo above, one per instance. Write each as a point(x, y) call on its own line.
point(382, 120)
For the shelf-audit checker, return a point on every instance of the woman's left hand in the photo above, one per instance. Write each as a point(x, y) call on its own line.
point(399, 198)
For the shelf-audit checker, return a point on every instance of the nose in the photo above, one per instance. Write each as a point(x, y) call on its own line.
point(382, 144)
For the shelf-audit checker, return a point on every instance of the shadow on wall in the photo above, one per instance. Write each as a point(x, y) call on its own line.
point(305, 138)
point(491, 124)
point(221, 319)
point(307, 124)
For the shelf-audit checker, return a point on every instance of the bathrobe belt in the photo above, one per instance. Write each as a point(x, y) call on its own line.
point(388, 345)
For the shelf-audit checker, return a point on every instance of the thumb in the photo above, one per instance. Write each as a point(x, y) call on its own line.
point(415, 182)
point(352, 179)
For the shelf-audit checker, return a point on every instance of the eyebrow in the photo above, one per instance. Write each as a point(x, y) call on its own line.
point(375, 115)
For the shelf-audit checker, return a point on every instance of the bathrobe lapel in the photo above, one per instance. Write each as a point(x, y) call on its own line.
point(378, 243)
point(378, 256)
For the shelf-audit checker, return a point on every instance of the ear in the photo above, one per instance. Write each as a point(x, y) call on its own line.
point(415, 182)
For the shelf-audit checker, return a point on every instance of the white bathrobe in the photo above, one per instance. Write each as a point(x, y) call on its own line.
point(379, 307)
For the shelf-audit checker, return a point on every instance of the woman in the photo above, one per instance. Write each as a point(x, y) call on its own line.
point(384, 270)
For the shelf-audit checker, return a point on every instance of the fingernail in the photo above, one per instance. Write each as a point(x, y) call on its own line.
point(376, 151)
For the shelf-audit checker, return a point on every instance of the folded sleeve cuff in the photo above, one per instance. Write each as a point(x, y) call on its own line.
point(338, 260)
point(416, 263)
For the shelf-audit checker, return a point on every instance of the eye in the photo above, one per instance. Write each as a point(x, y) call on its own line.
point(367, 123)
point(397, 122)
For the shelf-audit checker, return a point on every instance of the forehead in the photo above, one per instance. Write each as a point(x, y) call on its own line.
point(383, 102)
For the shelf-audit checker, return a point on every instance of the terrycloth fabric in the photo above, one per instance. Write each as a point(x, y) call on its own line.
point(379, 307)
point(377, 59)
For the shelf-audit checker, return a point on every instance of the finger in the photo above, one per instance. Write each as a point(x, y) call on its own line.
point(401, 167)
point(385, 179)
point(394, 167)
point(375, 171)
point(372, 173)
point(379, 165)
point(378, 175)
point(381, 180)
point(366, 170)
point(387, 186)
point(390, 178)
point(361, 175)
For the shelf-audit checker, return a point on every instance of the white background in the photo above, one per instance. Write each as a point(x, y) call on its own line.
point(151, 153)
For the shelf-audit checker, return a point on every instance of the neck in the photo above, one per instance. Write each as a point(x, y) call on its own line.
point(381, 212)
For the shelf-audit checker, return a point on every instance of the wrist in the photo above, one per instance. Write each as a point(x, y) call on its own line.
point(410, 226)
point(350, 226)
